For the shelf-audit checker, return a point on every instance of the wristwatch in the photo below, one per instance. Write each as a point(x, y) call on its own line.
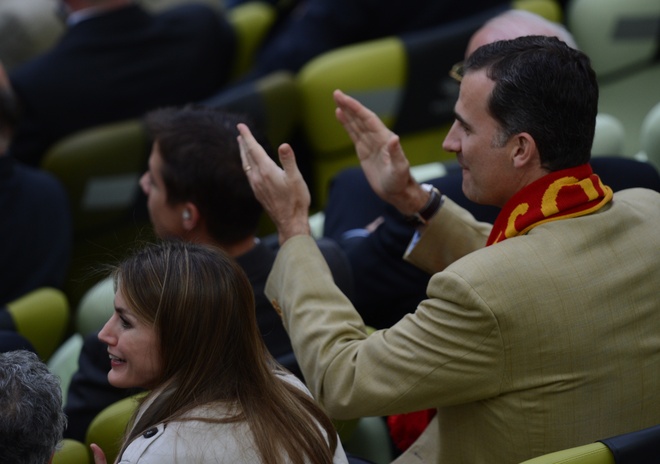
point(424, 215)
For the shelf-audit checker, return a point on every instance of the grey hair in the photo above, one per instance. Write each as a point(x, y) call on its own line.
point(32, 420)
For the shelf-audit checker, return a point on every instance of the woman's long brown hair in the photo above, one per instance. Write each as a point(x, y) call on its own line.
point(201, 305)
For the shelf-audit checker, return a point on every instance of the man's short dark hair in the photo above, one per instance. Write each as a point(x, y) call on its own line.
point(202, 164)
point(31, 417)
point(545, 88)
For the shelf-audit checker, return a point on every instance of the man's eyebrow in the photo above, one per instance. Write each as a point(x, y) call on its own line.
point(460, 119)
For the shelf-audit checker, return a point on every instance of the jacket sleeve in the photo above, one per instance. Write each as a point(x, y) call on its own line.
point(451, 234)
point(428, 359)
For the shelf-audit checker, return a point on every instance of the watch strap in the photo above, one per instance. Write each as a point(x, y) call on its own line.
point(424, 215)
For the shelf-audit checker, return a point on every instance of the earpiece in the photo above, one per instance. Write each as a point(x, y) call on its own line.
point(186, 214)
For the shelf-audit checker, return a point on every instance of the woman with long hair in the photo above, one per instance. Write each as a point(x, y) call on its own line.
point(184, 328)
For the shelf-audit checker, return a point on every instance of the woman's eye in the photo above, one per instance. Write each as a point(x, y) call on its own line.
point(125, 324)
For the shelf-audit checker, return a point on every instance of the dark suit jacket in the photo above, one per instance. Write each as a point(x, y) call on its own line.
point(36, 229)
point(118, 66)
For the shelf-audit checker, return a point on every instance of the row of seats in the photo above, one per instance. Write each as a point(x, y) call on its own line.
point(394, 76)
point(100, 166)
point(623, 41)
point(638, 447)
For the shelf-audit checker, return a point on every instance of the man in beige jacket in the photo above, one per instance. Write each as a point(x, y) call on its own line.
point(540, 332)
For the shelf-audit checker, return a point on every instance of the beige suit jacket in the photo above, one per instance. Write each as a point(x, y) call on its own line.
point(538, 343)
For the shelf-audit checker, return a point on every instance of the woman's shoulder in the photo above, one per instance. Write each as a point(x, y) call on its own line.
point(291, 379)
point(197, 437)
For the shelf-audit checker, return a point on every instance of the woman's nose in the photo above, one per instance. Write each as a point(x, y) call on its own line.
point(106, 335)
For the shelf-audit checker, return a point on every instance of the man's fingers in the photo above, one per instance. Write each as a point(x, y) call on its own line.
point(345, 101)
point(287, 159)
point(351, 108)
point(361, 124)
point(347, 108)
point(244, 156)
point(251, 151)
point(242, 139)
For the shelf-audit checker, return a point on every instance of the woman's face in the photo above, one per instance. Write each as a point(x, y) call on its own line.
point(133, 348)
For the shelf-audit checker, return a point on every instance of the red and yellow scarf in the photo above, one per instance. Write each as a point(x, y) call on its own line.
point(561, 194)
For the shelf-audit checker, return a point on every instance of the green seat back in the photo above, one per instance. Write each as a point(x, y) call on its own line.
point(95, 307)
point(99, 168)
point(72, 452)
point(108, 427)
point(272, 102)
point(251, 20)
point(41, 316)
point(622, 38)
point(650, 136)
point(593, 453)
point(64, 361)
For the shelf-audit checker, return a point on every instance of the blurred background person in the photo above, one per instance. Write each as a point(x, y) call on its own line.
point(117, 61)
point(317, 26)
point(27, 29)
point(36, 221)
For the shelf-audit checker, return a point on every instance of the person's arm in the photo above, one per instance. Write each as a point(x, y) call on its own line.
point(415, 364)
point(382, 159)
point(451, 234)
point(284, 194)
point(281, 191)
point(448, 351)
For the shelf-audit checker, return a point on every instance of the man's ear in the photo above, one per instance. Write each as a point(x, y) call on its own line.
point(524, 152)
point(190, 216)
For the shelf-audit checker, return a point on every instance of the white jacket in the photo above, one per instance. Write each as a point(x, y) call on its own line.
point(186, 442)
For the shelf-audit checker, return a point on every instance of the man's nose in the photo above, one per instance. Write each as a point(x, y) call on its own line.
point(452, 143)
